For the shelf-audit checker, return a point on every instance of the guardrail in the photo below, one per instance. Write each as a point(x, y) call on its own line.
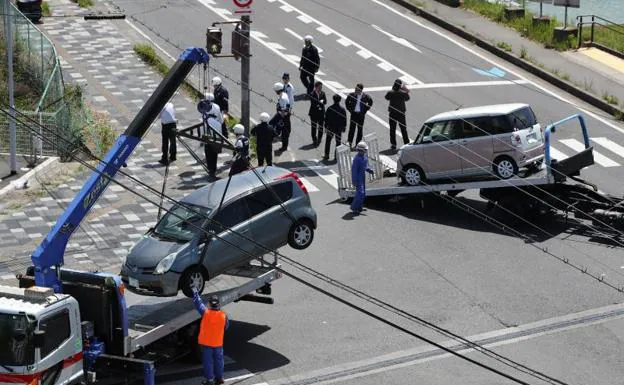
point(582, 20)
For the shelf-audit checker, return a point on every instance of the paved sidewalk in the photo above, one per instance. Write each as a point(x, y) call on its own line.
point(99, 55)
point(587, 73)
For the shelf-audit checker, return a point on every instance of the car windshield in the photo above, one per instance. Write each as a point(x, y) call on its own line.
point(182, 222)
point(16, 340)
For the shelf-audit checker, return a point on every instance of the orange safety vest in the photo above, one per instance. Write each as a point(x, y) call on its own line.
point(212, 328)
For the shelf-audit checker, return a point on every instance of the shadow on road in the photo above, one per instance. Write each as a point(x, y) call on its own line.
point(251, 356)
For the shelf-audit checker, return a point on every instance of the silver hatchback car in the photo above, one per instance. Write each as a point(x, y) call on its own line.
point(175, 255)
point(474, 142)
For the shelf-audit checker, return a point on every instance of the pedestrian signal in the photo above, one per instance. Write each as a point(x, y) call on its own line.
point(214, 43)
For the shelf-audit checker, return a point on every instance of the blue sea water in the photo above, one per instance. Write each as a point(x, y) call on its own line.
point(612, 10)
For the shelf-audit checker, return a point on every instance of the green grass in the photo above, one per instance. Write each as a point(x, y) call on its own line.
point(504, 46)
point(147, 53)
point(612, 37)
point(45, 9)
point(611, 99)
point(85, 3)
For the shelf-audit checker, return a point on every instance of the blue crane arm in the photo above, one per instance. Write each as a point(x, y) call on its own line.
point(52, 249)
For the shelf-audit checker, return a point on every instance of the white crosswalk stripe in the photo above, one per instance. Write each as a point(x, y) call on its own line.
point(308, 185)
point(610, 145)
point(556, 154)
point(598, 157)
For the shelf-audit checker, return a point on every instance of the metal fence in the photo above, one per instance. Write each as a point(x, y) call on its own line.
point(37, 66)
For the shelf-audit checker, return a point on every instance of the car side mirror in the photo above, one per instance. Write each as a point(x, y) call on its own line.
point(39, 338)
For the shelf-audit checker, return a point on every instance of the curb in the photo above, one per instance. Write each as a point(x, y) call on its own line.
point(578, 92)
point(21, 181)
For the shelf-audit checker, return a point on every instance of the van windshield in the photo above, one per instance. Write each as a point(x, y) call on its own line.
point(182, 222)
point(16, 340)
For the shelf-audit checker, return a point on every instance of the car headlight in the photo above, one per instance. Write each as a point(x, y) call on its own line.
point(165, 264)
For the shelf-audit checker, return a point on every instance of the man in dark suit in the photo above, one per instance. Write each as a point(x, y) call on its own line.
point(318, 100)
point(335, 123)
point(309, 64)
point(358, 103)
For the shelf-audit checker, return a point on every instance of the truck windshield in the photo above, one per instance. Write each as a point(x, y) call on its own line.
point(16, 340)
point(181, 223)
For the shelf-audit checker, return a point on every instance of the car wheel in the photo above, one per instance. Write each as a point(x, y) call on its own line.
point(413, 175)
point(505, 167)
point(301, 234)
point(192, 278)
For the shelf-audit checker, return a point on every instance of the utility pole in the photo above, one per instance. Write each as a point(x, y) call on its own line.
point(12, 124)
point(245, 72)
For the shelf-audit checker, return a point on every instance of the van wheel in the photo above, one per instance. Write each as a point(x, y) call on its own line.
point(413, 175)
point(301, 234)
point(192, 278)
point(505, 167)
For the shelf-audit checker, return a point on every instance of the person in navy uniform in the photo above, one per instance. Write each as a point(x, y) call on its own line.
point(318, 100)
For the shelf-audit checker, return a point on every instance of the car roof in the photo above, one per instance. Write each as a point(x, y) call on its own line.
point(471, 112)
point(210, 195)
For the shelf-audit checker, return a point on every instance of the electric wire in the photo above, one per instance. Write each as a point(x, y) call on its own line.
point(315, 273)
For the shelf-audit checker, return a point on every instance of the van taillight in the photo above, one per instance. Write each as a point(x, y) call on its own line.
point(516, 140)
point(296, 178)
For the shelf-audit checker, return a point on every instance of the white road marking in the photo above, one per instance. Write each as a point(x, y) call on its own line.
point(384, 66)
point(324, 28)
point(277, 46)
point(304, 19)
point(449, 85)
point(598, 157)
point(364, 53)
point(610, 145)
point(556, 154)
point(308, 185)
point(552, 93)
point(286, 8)
point(256, 34)
point(333, 84)
point(331, 178)
point(398, 40)
point(295, 34)
point(344, 42)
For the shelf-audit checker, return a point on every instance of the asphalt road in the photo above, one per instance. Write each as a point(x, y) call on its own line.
point(438, 262)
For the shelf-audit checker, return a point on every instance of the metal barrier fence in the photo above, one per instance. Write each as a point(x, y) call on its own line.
point(37, 65)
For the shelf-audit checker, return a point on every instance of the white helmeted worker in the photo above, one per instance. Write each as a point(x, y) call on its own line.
point(241, 158)
point(213, 120)
point(309, 64)
point(282, 118)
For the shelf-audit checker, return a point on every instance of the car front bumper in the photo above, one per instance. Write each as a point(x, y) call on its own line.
point(164, 285)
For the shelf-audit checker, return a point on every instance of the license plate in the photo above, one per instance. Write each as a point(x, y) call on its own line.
point(133, 282)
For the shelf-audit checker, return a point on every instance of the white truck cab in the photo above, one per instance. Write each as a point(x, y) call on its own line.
point(40, 337)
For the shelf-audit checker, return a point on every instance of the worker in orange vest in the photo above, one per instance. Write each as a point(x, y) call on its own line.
point(213, 325)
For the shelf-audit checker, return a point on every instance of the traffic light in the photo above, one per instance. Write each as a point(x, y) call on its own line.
point(214, 44)
point(240, 43)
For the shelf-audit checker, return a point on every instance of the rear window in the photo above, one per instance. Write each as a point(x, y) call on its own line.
point(264, 199)
point(523, 118)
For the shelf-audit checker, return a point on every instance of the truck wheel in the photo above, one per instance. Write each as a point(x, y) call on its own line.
point(301, 234)
point(505, 167)
point(192, 278)
point(413, 175)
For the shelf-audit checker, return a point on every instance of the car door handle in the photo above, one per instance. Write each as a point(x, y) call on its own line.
point(464, 142)
point(244, 231)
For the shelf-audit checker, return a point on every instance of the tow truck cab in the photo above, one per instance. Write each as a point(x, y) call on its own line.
point(43, 334)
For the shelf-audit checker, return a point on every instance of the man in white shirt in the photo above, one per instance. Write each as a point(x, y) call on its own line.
point(213, 121)
point(281, 120)
point(289, 89)
point(168, 122)
point(358, 103)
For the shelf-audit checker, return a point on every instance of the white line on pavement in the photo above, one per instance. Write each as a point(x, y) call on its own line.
point(299, 37)
point(610, 145)
point(598, 157)
point(449, 85)
point(308, 185)
point(323, 28)
point(150, 40)
point(556, 154)
point(554, 94)
point(331, 178)
point(398, 40)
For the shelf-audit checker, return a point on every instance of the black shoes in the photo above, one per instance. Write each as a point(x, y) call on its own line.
point(164, 162)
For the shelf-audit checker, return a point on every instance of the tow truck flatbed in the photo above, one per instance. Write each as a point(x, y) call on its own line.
point(152, 318)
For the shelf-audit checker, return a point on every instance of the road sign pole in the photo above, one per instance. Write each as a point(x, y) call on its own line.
point(10, 80)
point(245, 72)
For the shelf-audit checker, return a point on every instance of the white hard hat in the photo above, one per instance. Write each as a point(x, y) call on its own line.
point(216, 81)
point(239, 129)
point(308, 38)
point(264, 117)
point(362, 146)
point(278, 87)
point(209, 97)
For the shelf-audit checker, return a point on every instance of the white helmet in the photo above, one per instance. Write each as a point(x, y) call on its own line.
point(216, 81)
point(308, 38)
point(239, 129)
point(210, 97)
point(362, 146)
point(265, 117)
point(277, 87)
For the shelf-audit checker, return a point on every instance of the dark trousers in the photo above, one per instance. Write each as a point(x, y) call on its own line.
point(316, 129)
point(265, 154)
point(400, 119)
point(286, 132)
point(211, 158)
point(307, 78)
point(357, 121)
point(169, 141)
point(328, 139)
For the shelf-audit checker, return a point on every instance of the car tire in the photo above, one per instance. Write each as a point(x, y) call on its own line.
point(301, 234)
point(193, 277)
point(413, 175)
point(505, 167)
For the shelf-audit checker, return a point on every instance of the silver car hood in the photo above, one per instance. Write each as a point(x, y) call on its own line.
point(149, 251)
